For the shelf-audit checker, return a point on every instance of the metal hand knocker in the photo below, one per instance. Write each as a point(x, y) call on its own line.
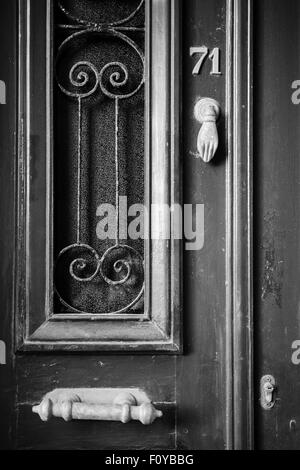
point(207, 112)
point(98, 404)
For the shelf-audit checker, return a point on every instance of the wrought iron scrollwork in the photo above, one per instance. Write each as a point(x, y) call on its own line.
point(120, 265)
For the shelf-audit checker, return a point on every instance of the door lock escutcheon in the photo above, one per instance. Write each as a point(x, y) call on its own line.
point(267, 392)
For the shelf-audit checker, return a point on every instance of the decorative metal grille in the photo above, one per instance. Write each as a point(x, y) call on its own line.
point(115, 273)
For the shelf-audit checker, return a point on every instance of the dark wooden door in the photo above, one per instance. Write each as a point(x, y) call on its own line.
point(204, 383)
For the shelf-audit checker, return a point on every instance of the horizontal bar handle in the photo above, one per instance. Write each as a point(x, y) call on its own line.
point(124, 409)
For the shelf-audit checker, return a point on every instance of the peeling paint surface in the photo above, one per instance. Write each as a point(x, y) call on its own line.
point(274, 265)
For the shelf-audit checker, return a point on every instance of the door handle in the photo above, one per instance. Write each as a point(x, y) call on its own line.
point(97, 405)
point(207, 112)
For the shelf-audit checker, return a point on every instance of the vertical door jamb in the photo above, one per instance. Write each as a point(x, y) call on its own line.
point(239, 360)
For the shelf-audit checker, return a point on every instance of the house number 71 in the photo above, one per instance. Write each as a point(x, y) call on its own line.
point(203, 52)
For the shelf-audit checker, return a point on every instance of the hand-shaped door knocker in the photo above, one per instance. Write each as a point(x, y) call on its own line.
point(207, 112)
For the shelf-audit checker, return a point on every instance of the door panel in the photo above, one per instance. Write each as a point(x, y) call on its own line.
point(80, 287)
point(276, 208)
point(189, 389)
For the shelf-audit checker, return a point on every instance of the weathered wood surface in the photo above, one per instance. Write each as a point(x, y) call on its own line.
point(160, 330)
point(38, 375)
point(277, 209)
point(192, 390)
